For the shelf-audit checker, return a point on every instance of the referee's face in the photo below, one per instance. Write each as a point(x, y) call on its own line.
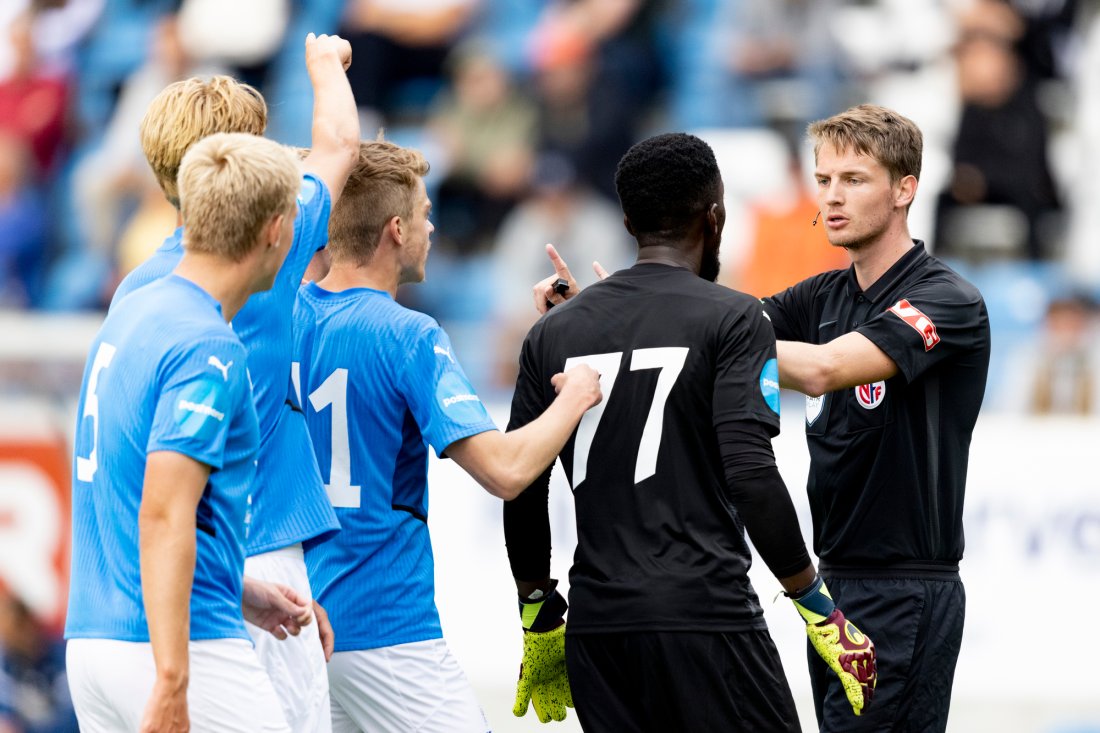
point(855, 195)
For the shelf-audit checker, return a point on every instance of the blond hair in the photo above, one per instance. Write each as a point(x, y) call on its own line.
point(231, 185)
point(381, 186)
point(189, 110)
point(880, 133)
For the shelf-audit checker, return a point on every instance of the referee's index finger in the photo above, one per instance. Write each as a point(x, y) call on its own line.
point(560, 267)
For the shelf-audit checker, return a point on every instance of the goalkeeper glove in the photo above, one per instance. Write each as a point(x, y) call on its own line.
point(542, 677)
point(846, 650)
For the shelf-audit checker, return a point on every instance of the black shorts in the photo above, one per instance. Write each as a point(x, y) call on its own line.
point(679, 681)
point(916, 625)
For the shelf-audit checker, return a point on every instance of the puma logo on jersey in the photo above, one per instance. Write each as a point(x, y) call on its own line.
point(444, 352)
point(217, 364)
point(920, 322)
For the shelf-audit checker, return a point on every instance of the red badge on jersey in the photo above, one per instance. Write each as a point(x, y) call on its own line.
point(922, 323)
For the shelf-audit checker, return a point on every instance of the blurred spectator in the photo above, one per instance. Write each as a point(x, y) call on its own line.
point(1000, 151)
point(591, 126)
point(58, 27)
point(785, 247)
point(115, 46)
point(623, 36)
point(34, 693)
point(32, 99)
point(243, 35)
point(399, 48)
point(22, 226)
point(781, 60)
point(487, 130)
point(114, 176)
point(1058, 373)
point(580, 224)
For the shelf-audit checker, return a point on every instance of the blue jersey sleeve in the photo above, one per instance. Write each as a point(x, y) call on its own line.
point(442, 401)
point(198, 394)
point(311, 223)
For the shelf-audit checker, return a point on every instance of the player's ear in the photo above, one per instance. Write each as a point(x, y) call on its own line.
point(628, 225)
point(272, 231)
point(715, 218)
point(395, 227)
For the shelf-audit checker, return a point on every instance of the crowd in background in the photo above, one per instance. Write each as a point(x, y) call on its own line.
point(523, 108)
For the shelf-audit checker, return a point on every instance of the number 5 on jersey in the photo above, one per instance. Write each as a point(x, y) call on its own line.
point(86, 467)
point(670, 360)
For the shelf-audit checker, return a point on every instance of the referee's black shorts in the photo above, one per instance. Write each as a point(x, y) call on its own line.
point(679, 681)
point(917, 625)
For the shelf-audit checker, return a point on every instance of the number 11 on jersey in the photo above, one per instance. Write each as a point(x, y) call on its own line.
point(670, 360)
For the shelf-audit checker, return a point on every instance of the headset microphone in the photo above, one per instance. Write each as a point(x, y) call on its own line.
point(816, 218)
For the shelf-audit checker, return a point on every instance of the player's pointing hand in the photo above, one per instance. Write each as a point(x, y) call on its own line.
point(561, 286)
point(546, 292)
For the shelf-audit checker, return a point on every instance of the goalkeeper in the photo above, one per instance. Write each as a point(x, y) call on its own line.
point(668, 472)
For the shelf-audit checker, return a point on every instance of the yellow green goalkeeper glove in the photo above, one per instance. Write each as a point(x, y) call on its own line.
point(847, 651)
point(542, 678)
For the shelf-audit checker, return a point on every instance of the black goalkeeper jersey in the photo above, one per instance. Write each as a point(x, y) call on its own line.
point(659, 545)
point(888, 460)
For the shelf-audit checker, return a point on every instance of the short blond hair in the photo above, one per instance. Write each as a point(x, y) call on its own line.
point(381, 186)
point(880, 133)
point(189, 110)
point(231, 184)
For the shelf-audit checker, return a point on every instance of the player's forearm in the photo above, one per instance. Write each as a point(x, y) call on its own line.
point(335, 133)
point(535, 446)
point(800, 580)
point(167, 559)
point(507, 463)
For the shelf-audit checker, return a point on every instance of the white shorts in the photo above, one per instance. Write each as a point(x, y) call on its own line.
point(296, 665)
point(110, 682)
point(403, 688)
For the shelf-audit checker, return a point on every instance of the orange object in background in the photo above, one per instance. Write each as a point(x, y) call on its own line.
point(785, 248)
point(34, 521)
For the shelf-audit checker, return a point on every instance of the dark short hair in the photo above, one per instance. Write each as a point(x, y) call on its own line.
point(666, 181)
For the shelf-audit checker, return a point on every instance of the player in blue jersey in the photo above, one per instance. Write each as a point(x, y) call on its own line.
point(165, 457)
point(288, 502)
point(379, 383)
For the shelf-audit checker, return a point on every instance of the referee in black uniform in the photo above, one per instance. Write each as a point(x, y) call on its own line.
point(894, 353)
point(668, 472)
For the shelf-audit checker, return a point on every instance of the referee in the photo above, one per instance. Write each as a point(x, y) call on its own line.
point(668, 473)
point(893, 353)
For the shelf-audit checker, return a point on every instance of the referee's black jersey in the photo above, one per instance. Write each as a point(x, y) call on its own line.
point(888, 460)
point(660, 547)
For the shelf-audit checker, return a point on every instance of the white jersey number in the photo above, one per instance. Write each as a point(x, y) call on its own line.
point(670, 360)
point(334, 392)
point(86, 467)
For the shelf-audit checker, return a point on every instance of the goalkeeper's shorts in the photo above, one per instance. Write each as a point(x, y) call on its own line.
point(917, 625)
point(679, 681)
